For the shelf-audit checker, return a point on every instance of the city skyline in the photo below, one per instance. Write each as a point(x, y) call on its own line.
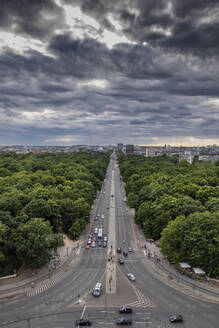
point(100, 72)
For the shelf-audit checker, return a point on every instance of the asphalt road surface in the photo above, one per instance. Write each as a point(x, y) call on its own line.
point(153, 301)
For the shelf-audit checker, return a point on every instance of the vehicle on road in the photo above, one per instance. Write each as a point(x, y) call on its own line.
point(97, 289)
point(123, 241)
point(93, 244)
point(102, 216)
point(104, 244)
point(124, 321)
point(129, 249)
point(176, 318)
point(87, 246)
point(105, 238)
point(125, 309)
point(99, 243)
point(121, 261)
point(125, 253)
point(131, 276)
point(119, 250)
point(98, 215)
point(83, 322)
point(96, 230)
point(89, 241)
point(100, 233)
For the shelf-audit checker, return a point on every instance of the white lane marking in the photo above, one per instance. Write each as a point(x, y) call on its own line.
point(143, 313)
point(83, 311)
point(108, 311)
point(105, 323)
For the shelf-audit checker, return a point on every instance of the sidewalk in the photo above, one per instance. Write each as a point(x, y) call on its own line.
point(158, 262)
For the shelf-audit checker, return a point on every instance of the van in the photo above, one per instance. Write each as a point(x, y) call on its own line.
point(97, 289)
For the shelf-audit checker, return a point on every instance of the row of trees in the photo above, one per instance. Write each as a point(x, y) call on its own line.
point(41, 194)
point(178, 203)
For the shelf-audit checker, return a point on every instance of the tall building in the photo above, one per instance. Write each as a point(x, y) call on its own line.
point(149, 152)
point(129, 149)
point(120, 147)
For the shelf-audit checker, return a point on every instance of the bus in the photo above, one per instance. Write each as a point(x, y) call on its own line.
point(100, 233)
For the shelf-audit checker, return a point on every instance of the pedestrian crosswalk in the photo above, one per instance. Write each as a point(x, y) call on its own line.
point(43, 285)
point(142, 302)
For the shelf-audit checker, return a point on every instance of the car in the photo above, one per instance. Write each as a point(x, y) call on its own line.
point(124, 321)
point(125, 253)
point(102, 216)
point(95, 238)
point(104, 244)
point(93, 244)
point(99, 243)
point(98, 215)
point(119, 250)
point(107, 207)
point(129, 249)
point(121, 261)
point(123, 241)
point(131, 276)
point(97, 289)
point(87, 246)
point(125, 309)
point(105, 238)
point(176, 318)
point(83, 322)
point(89, 241)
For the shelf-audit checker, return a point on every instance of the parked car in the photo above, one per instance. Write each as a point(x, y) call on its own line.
point(121, 261)
point(176, 318)
point(124, 321)
point(83, 322)
point(131, 276)
point(125, 309)
point(119, 250)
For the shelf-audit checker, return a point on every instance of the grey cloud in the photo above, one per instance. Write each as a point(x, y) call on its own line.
point(29, 17)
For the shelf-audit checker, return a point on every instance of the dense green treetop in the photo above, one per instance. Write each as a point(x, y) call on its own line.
point(57, 188)
point(178, 201)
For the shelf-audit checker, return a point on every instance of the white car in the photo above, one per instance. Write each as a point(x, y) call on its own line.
point(131, 276)
point(129, 249)
point(93, 244)
point(105, 238)
point(102, 216)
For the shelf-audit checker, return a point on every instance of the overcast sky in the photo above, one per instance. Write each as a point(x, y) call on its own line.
point(109, 71)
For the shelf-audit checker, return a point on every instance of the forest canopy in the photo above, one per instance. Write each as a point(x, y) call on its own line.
point(177, 203)
point(41, 194)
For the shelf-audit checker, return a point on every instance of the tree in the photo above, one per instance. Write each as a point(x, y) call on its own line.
point(34, 242)
point(3, 230)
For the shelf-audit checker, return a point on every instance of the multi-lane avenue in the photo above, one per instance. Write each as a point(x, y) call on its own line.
point(70, 298)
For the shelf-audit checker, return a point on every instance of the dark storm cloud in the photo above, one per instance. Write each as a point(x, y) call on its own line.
point(165, 87)
point(36, 18)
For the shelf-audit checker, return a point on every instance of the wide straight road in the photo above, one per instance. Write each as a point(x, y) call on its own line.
point(152, 299)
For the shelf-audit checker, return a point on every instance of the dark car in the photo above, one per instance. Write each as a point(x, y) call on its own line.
point(118, 250)
point(124, 321)
point(121, 261)
point(125, 253)
point(99, 243)
point(125, 309)
point(83, 322)
point(176, 318)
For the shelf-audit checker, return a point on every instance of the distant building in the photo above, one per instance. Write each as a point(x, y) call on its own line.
point(129, 149)
point(120, 146)
point(186, 156)
point(150, 152)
